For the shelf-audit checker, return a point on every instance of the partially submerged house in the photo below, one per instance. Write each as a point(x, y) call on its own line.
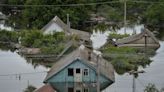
point(57, 25)
point(80, 66)
point(144, 39)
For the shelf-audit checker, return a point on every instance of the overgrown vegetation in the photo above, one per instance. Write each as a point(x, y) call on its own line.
point(48, 43)
point(152, 88)
point(8, 36)
point(117, 36)
point(30, 88)
point(126, 59)
point(150, 14)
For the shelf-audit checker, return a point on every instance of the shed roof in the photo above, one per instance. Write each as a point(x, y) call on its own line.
point(135, 37)
point(82, 34)
point(106, 67)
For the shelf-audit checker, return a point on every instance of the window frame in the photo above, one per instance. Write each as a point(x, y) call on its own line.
point(86, 73)
point(72, 72)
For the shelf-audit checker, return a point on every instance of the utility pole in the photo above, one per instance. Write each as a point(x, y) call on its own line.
point(134, 84)
point(98, 74)
point(125, 16)
point(68, 23)
point(146, 44)
point(133, 72)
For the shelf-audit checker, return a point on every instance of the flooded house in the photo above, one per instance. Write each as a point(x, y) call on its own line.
point(57, 25)
point(144, 39)
point(80, 66)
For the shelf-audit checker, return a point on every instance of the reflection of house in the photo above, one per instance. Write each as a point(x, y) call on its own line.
point(145, 38)
point(80, 66)
point(57, 25)
point(71, 87)
point(46, 88)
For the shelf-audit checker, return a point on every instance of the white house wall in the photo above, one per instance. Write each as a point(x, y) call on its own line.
point(53, 28)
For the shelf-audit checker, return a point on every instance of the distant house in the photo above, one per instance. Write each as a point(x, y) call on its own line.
point(57, 25)
point(80, 66)
point(145, 38)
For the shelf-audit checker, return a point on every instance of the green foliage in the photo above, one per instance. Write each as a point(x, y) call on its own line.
point(8, 36)
point(30, 88)
point(117, 36)
point(111, 13)
point(49, 43)
point(154, 15)
point(151, 88)
point(31, 38)
point(125, 59)
point(37, 17)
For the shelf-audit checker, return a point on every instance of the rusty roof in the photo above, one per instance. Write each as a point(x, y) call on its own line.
point(106, 67)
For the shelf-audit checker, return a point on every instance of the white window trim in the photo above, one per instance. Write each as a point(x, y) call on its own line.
point(84, 71)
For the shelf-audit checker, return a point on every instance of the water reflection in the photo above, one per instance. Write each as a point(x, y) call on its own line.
point(72, 87)
point(12, 66)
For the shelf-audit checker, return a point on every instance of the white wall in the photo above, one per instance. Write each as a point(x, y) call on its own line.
point(52, 28)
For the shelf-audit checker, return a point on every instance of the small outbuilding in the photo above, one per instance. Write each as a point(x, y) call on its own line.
point(80, 66)
point(57, 25)
point(144, 39)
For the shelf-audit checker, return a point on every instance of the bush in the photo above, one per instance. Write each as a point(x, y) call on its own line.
point(117, 36)
point(8, 36)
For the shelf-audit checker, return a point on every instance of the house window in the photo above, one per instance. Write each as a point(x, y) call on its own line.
point(70, 71)
point(70, 89)
point(89, 56)
point(78, 70)
point(86, 72)
point(78, 90)
point(86, 90)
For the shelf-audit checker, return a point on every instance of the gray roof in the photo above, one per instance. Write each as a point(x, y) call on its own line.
point(58, 21)
point(135, 37)
point(106, 67)
point(82, 34)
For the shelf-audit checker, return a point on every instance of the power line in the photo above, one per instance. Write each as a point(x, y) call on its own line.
point(23, 73)
point(80, 4)
point(62, 5)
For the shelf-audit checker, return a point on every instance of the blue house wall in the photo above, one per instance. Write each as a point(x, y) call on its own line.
point(62, 76)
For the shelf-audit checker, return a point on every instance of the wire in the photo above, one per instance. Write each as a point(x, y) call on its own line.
point(23, 73)
point(147, 2)
point(63, 5)
point(80, 4)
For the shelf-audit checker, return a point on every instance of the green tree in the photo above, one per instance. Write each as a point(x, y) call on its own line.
point(154, 16)
point(30, 88)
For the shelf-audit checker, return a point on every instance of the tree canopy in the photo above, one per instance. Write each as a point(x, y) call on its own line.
point(149, 13)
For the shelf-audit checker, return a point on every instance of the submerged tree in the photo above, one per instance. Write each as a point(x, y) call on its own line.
point(30, 88)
